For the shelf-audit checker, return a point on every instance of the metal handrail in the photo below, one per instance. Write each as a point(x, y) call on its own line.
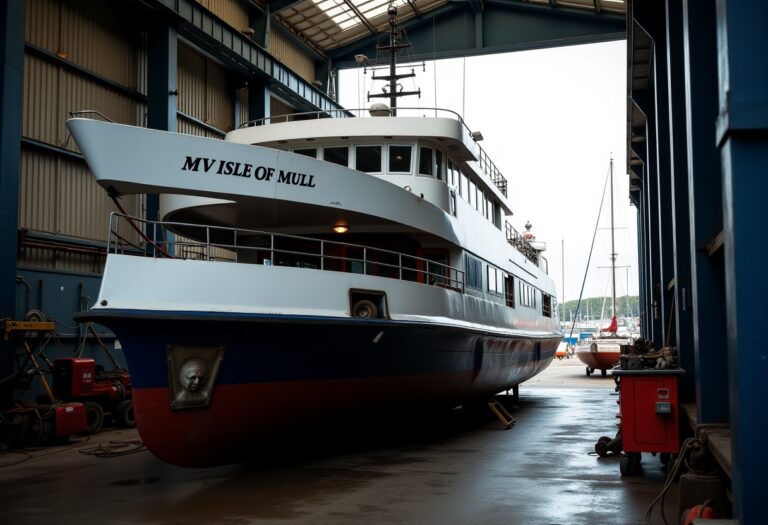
point(488, 167)
point(520, 243)
point(446, 276)
point(90, 112)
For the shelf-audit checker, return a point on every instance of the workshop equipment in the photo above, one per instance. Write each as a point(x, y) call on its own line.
point(102, 392)
point(648, 404)
point(28, 423)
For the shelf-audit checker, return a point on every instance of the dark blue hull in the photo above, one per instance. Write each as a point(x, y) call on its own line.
point(270, 365)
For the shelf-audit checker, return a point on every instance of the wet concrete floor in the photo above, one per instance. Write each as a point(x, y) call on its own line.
point(445, 468)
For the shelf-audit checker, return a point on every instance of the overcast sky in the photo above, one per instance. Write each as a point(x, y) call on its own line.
point(551, 119)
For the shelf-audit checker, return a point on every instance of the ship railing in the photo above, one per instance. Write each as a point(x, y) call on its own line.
point(484, 161)
point(520, 243)
point(165, 239)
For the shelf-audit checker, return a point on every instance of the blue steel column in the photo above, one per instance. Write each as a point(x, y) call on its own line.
point(11, 88)
point(641, 258)
point(681, 307)
point(651, 17)
point(705, 201)
point(258, 99)
point(645, 102)
point(742, 132)
point(161, 91)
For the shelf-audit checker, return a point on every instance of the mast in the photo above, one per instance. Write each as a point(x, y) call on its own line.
point(393, 46)
point(562, 267)
point(613, 252)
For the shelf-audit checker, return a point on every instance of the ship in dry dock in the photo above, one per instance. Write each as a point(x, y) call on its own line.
point(356, 262)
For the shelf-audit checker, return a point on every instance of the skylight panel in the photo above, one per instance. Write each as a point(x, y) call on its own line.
point(339, 12)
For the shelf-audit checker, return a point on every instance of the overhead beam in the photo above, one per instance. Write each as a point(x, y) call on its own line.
point(362, 18)
point(277, 5)
point(456, 29)
point(211, 34)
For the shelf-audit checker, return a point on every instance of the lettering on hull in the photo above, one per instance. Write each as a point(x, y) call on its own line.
point(247, 171)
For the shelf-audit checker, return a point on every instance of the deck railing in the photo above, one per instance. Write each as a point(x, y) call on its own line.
point(521, 244)
point(239, 245)
point(487, 166)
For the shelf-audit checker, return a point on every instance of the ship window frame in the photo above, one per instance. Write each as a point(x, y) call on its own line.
point(452, 202)
point(495, 280)
point(509, 290)
point(473, 275)
point(299, 151)
point(430, 161)
point(546, 304)
point(439, 164)
point(369, 146)
point(497, 214)
point(338, 148)
point(408, 171)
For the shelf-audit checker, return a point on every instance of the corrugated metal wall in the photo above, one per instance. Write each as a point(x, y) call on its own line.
point(291, 56)
point(233, 12)
point(56, 192)
point(278, 107)
point(57, 195)
point(204, 93)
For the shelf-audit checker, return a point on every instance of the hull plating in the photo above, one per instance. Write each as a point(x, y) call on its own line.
point(280, 374)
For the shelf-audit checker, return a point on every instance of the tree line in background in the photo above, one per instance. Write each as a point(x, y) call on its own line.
point(591, 308)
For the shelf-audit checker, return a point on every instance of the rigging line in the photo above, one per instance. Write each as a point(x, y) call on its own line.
point(114, 196)
point(589, 258)
point(434, 61)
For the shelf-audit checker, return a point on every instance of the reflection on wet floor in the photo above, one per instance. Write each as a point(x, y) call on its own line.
point(445, 467)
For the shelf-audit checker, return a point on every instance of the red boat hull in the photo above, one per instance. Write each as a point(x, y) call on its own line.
point(599, 360)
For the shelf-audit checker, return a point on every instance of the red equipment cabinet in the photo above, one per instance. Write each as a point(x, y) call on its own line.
point(81, 379)
point(650, 419)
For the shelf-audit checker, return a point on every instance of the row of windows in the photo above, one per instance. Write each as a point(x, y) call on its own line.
point(473, 194)
point(371, 159)
point(502, 284)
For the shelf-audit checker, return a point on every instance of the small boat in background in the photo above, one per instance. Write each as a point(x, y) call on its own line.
point(601, 350)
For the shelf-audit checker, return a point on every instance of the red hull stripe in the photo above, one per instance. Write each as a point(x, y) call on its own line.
point(229, 430)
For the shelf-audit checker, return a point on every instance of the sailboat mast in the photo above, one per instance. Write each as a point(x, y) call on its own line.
point(613, 251)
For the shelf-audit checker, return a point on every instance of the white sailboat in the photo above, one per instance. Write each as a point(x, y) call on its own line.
point(601, 351)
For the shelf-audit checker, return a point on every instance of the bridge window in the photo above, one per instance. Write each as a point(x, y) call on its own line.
point(400, 159)
point(439, 164)
point(368, 158)
point(338, 155)
point(425, 161)
point(307, 152)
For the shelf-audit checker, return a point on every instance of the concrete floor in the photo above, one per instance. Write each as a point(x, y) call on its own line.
point(447, 468)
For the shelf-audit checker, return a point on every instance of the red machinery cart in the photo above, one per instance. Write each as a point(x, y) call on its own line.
point(649, 414)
